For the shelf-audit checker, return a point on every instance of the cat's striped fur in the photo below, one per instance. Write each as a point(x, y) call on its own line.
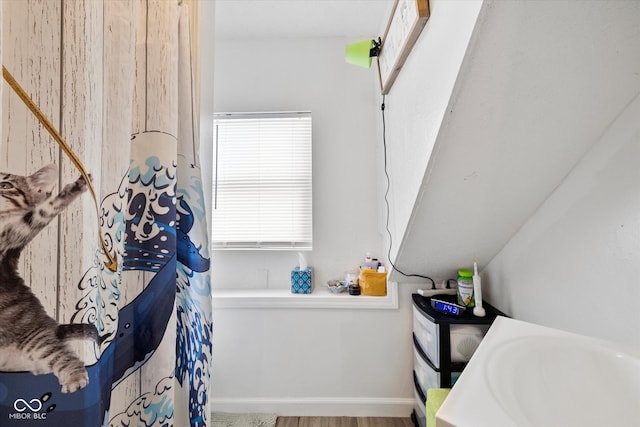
point(30, 340)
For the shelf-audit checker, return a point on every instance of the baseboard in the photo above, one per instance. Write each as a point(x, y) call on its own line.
point(318, 407)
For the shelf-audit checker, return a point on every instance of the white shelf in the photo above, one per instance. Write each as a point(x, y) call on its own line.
point(319, 298)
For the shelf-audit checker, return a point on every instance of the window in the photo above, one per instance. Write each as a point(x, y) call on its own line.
point(262, 181)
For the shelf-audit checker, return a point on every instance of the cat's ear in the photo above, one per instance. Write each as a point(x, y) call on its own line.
point(45, 178)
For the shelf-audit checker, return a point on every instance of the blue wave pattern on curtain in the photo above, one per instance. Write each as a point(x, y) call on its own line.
point(194, 345)
point(152, 365)
point(194, 337)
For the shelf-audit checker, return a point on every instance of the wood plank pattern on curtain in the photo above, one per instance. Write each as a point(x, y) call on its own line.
point(115, 77)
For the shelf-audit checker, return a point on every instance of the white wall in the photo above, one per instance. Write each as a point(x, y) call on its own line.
point(333, 362)
point(575, 265)
point(583, 244)
point(308, 74)
point(311, 361)
point(540, 81)
point(417, 103)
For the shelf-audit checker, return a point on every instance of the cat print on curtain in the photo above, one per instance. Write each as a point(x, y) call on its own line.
point(130, 347)
point(31, 340)
point(154, 217)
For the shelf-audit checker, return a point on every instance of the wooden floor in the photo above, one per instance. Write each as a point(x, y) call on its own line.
point(343, 422)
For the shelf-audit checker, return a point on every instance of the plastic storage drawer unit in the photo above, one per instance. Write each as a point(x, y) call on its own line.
point(428, 335)
point(461, 335)
point(429, 376)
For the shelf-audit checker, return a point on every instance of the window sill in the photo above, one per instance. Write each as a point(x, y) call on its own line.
point(319, 298)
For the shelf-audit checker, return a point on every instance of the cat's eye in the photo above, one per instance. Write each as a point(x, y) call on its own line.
point(6, 185)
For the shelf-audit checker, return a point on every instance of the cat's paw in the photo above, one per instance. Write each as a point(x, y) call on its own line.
point(75, 382)
point(81, 183)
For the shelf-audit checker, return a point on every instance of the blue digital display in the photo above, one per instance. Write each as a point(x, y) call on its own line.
point(446, 307)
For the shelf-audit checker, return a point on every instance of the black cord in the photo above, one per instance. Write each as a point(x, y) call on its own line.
point(386, 199)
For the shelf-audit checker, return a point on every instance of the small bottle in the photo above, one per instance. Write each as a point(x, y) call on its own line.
point(465, 288)
point(369, 264)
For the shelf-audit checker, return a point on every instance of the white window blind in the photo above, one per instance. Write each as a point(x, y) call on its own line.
point(262, 181)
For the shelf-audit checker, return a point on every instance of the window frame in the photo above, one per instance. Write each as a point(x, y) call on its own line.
point(296, 243)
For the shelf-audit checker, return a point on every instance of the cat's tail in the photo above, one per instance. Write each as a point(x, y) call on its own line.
point(80, 331)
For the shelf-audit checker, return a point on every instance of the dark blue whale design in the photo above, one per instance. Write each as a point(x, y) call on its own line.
point(188, 254)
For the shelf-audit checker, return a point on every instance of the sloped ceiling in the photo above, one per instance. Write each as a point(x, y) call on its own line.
point(540, 83)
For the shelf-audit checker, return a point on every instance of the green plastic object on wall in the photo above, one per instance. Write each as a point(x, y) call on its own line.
point(359, 53)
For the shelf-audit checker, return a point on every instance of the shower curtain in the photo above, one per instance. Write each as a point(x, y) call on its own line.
point(132, 265)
